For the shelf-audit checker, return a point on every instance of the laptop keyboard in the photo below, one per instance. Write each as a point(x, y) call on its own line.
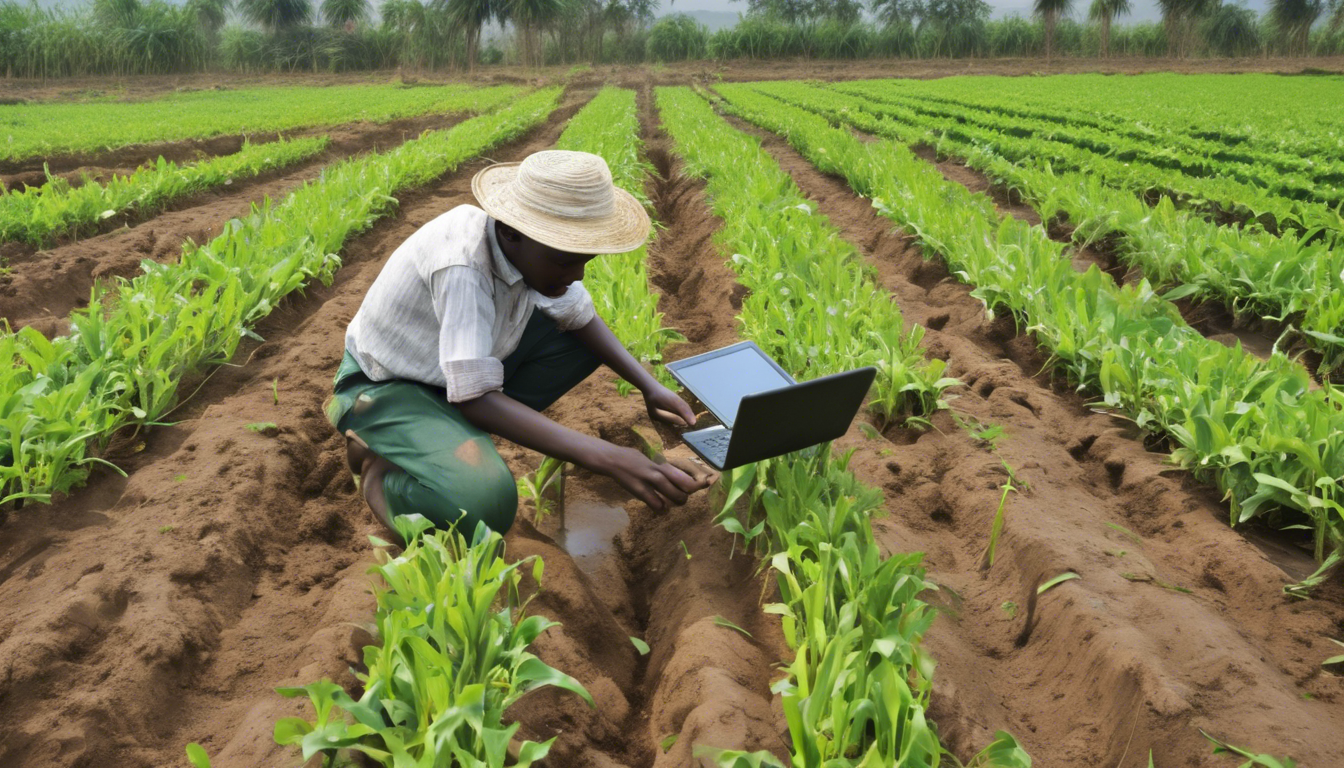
point(715, 445)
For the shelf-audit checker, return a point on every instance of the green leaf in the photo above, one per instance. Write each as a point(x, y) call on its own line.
point(197, 755)
point(719, 621)
point(667, 742)
point(640, 646)
point(1060, 579)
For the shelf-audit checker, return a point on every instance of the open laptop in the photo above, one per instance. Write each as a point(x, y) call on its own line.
point(763, 412)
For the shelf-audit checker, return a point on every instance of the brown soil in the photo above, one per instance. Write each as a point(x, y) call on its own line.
point(1118, 662)
point(148, 612)
point(43, 287)
point(345, 139)
point(164, 608)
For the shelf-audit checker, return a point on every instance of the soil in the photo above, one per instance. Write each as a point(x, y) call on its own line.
point(162, 608)
point(1178, 622)
point(42, 287)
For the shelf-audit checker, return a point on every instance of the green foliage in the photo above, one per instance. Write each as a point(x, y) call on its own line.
point(814, 306)
point(608, 126)
point(131, 347)
point(43, 130)
point(1260, 430)
point(675, 38)
point(453, 657)
point(40, 215)
point(534, 485)
point(1264, 761)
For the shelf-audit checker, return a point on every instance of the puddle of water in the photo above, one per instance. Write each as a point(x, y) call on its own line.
point(589, 530)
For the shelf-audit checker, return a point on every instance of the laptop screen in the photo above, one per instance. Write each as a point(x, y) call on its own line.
point(722, 381)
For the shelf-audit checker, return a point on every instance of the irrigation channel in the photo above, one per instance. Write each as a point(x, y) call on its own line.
point(163, 608)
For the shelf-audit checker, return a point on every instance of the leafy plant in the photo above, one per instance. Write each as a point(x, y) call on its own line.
point(535, 485)
point(453, 658)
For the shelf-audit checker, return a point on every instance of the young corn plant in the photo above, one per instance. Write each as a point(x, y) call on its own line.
point(608, 126)
point(453, 657)
point(40, 215)
point(130, 348)
point(545, 488)
point(1260, 430)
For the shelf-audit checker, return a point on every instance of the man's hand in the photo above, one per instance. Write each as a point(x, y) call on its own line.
point(657, 485)
point(667, 406)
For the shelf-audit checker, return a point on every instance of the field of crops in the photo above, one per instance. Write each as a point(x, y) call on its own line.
point(1089, 515)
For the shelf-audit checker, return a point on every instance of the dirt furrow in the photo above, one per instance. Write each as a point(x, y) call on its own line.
point(164, 608)
point(41, 288)
point(1178, 621)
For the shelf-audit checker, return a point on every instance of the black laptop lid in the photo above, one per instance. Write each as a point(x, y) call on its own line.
point(774, 423)
point(720, 379)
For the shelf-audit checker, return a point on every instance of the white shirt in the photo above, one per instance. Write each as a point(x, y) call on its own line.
point(448, 307)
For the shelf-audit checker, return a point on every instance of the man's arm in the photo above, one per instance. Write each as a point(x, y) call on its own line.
point(662, 402)
point(654, 484)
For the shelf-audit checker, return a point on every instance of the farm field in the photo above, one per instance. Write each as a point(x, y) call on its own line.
point(1106, 317)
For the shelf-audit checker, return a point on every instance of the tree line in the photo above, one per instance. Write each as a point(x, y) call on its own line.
point(156, 36)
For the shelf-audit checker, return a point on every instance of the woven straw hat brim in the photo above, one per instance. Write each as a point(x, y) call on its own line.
point(623, 230)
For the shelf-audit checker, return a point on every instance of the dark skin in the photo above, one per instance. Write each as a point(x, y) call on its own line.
point(550, 272)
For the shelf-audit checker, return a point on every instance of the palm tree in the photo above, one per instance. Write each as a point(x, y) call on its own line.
point(343, 13)
point(276, 15)
point(210, 14)
point(1050, 11)
point(529, 17)
point(1103, 11)
point(1293, 20)
point(470, 16)
point(1179, 17)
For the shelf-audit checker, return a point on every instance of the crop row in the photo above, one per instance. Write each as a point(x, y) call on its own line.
point(129, 350)
point(804, 278)
point(452, 658)
point(47, 129)
point(40, 215)
point(1290, 116)
point(858, 684)
point(1258, 429)
point(1289, 277)
point(1322, 169)
point(1215, 194)
point(609, 127)
point(1293, 185)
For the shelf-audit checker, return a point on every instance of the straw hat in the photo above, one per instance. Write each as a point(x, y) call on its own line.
point(565, 200)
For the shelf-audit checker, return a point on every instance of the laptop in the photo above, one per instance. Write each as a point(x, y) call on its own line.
point(762, 411)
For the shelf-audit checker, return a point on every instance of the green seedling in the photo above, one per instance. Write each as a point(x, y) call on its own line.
point(1009, 607)
point(667, 742)
point(989, 434)
point(275, 391)
point(1116, 552)
point(640, 646)
point(719, 621)
point(179, 477)
point(1334, 661)
point(197, 755)
point(545, 488)
point(996, 528)
point(262, 427)
point(166, 529)
point(1264, 761)
point(869, 431)
point(1144, 578)
point(1132, 536)
point(1056, 581)
point(1302, 589)
point(685, 549)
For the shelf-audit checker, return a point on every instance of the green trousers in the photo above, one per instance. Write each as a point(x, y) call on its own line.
point(446, 469)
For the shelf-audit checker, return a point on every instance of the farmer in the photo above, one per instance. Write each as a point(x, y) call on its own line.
point(476, 324)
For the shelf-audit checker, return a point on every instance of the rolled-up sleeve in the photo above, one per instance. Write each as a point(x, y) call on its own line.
point(463, 301)
point(571, 311)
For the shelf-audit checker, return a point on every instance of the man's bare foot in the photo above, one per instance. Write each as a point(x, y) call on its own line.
point(370, 468)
